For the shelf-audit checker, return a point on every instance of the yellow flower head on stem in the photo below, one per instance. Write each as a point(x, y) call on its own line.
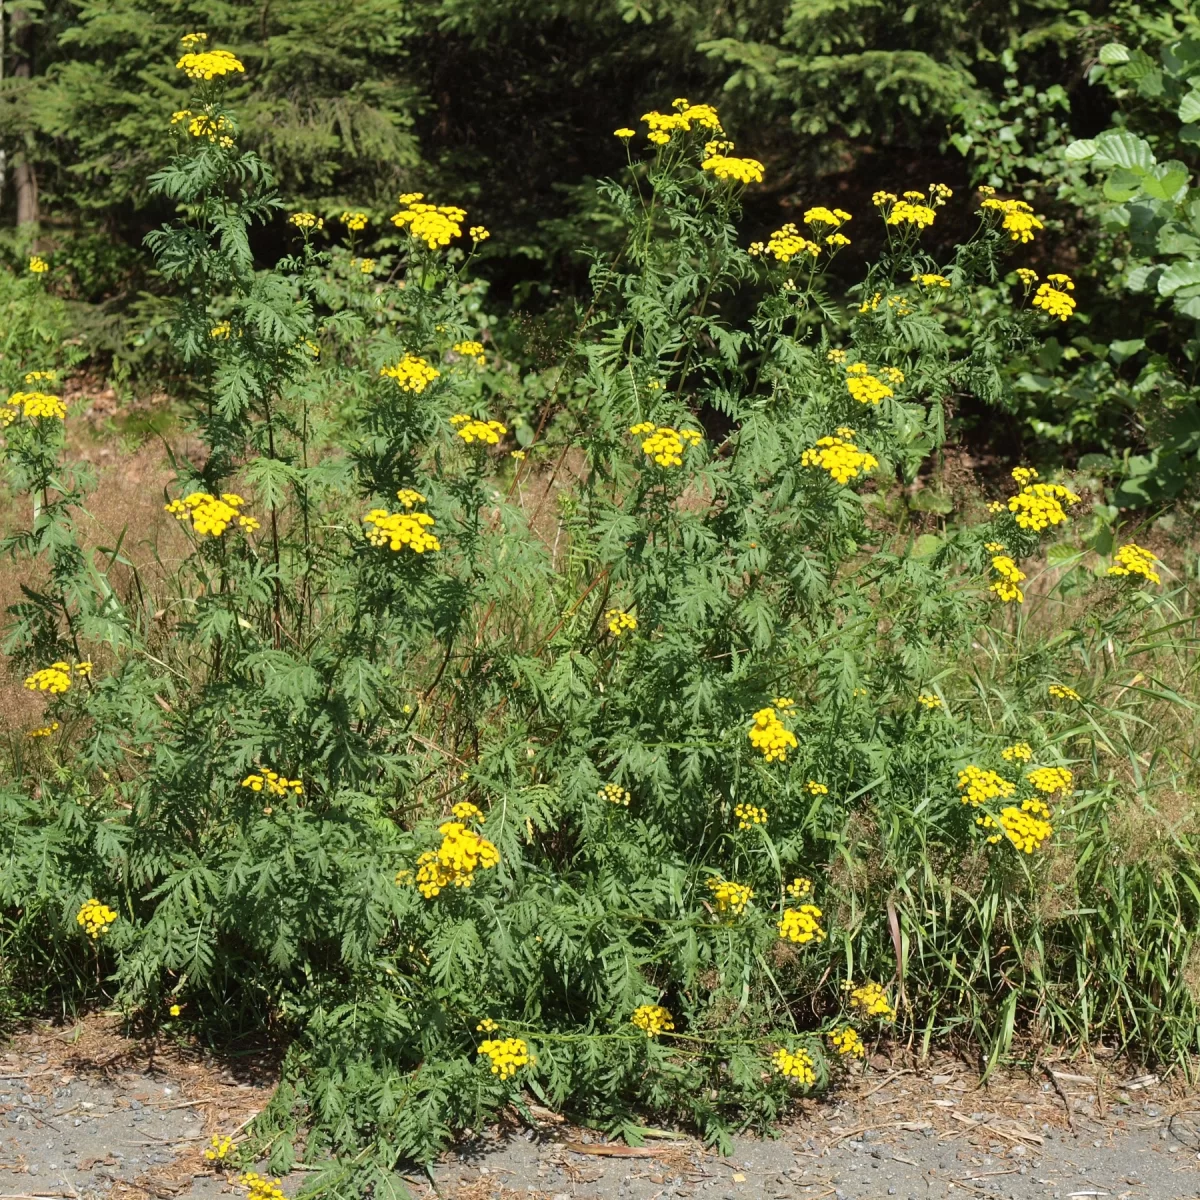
point(652, 1019)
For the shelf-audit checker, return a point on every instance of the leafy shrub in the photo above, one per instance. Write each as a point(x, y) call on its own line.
point(645, 766)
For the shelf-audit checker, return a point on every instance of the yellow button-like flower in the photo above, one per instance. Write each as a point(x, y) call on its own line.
point(614, 793)
point(1009, 575)
point(801, 925)
point(1051, 779)
point(505, 1055)
point(1132, 559)
point(749, 815)
point(847, 1043)
point(1018, 751)
point(401, 530)
point(840, 457)
point(620, 622)
point(209, 64)
point(54, 679)
point(795, 1064)
point(652, 1019)
point(737, 170)
point(769, 736)
point(1052, 297)
point(95, 918)
point(871, 1000)
point(978, 785)
point(412, 373)
point(39, 405)
point(731, 898)
point(38, 265)
point(472, 430)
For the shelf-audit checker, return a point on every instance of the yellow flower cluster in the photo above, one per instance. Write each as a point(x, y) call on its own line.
point(979, 786)
point(217, 129)
point(800, 887)
point(1026, 827)
point(487, 1025)
point(220, 1148)
point(40, 376)
point(785, 243)
point(614, 793)
point(38, 265)
point(175, 1010)
point(55, 679)
point(749, 815)
point(39, 404)
point(905, 212)
point(471, 430)
point(94, 918)
point(355, 221)
point(412, 373)
point(664, 444)
point(795, 1064)
point(931, 280)
point(1018, 220)
point(259, 1187)
point(871, 1000)
point(663, 125)
point(871, 304)
point(410, 497)
point(839, 456)
point(1051, 779)
point(1018, 751)
point(847, 1043)
point(211, 515)
point(1040, 505)
point(820, 215)
point(1133, 559)
point(1061, 692)
point(306, 220)
point(221, 330)
point(731, 898)
point(801, 925)
point(769, 736)
point(742, 170)
point(652, 1019)
point(209, 64)
point(277, 785)
point(455, 861)
point(1010, 575)
point(816, 789)
point(478, 233)
point(43, 730)
point(1027, 276)
point(1052, 297)
point(400, 529)
point(506, 1055)
point(433, 224)
point(865, 387)
point(929, 700)
point(470, 350)
point(620, 622)
point(464, 810)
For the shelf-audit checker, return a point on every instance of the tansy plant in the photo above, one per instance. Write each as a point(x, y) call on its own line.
point(635, 753)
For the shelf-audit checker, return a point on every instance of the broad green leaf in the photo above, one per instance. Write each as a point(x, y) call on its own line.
point(1117, 148)
point(1179, 275)
point(1113, 54)
point(1189, 107)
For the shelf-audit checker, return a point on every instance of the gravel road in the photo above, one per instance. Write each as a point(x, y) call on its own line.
point(86, 1113)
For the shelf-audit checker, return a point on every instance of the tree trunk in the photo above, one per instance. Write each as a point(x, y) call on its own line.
point(24, 175)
